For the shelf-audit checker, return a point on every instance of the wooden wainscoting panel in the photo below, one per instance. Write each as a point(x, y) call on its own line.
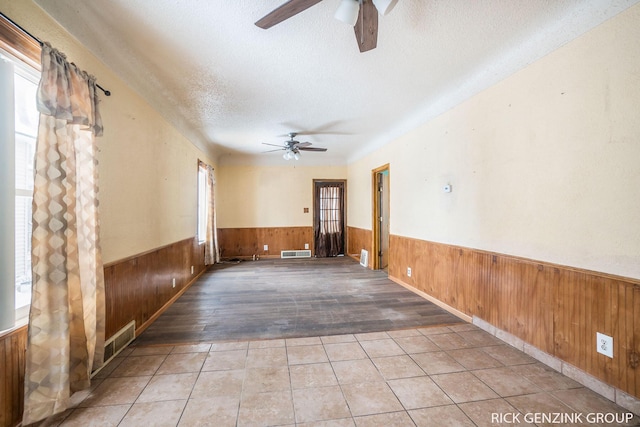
point(246, 242)
point(357, 240)
point(557, 309)
point(138, 287)
point(12, 364)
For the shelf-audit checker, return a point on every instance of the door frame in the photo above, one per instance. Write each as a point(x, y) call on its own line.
point(375, 198)
point(314, 217)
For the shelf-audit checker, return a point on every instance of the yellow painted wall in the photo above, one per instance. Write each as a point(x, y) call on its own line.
point(148, 171)
point(269, 196)
point(544, 165)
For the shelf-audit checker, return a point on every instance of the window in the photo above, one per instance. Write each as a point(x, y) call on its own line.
point(19, 60)
point(26, 131)
point(202, 202)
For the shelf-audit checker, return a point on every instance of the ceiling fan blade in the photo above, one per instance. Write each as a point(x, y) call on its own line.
point(366, 27)
point(274, 145)
point(271, 151)
point(311, 149)
point(284, 12)
point(303, 144)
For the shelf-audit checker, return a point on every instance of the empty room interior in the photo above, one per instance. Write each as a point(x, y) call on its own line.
point(338, 212)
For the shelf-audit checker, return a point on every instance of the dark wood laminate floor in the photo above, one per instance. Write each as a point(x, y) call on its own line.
point(277, 298)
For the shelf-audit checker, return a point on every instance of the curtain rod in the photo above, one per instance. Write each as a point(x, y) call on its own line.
point(105, 91)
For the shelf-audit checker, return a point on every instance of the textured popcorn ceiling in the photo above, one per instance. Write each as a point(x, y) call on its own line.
point(229, 85)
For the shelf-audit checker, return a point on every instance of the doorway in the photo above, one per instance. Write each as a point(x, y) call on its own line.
point(329, 217)
point(381, 212)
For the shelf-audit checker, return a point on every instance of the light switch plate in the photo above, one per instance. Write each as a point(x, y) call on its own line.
point(604, 344)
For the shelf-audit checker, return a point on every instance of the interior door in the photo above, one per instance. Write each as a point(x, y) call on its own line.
point(329, 218)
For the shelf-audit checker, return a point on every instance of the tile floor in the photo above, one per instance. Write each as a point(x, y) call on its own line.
point(439, 376)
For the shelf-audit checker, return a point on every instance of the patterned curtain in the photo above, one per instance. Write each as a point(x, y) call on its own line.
point(211, 250)
point(67, 318)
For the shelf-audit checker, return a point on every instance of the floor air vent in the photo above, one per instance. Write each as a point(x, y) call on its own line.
point(295, 254)
point(117, 343)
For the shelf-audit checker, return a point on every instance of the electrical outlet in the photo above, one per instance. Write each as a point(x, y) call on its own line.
point(408, 271)
point(604, 344)
point(192, 269)
point(266, 247)
point(173, 282)
point(306, 246)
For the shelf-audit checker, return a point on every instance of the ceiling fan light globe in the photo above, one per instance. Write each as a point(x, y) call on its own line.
point(296, 156)
point(348, 12)
point(384, 6)
point(286, 155)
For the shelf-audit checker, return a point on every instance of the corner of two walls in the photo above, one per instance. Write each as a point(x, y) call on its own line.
point(540, 236)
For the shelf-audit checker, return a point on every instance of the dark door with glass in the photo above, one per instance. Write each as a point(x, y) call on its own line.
point(329, 218)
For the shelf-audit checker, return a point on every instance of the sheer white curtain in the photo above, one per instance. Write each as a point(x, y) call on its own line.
point(67, 318)
point(211, 250)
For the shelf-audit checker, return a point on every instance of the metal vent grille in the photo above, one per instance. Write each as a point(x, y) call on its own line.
point(295, 254)
point(117, 343)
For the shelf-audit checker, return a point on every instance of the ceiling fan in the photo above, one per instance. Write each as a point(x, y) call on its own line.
point(292, 147)
point(362, 14)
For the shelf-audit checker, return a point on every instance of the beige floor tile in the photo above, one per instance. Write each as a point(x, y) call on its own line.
point(437, 362)
point(168, 387)
point(336, 339)
point(192, 348)
point(464, 327)
point(391, 419)
point(382, 348)
point(419, 392)
point(344, 351)
point(116, 391)
point(220, 411)
point(370, 398)
point(218, 383)
point(151, 350)
point(267, 357)
point(96, 416)
point(441, 416)
point(108, 369)
point(303, 354)
point(273, 408)
point(506, 382)
point(435, 330)
point(182, 362)
point(369, 336)
point(545, 377)
point(539, 403)
point(493, 413)
point(508, 355)
point(260, 380)
point(416, 344)
point(228, 346)
point(343, 422)
point(293, 342)
point(267, 343)
point(356, 371)
point(319, 403)
point(478, 338)
point(156, 414)
point(463, 387)
point(135, 366)
point(450, 341)
point(404, 333)
point(225, 360)
point(473, 358)
point(397, 367)
point(312, 375)
point(587, 401)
